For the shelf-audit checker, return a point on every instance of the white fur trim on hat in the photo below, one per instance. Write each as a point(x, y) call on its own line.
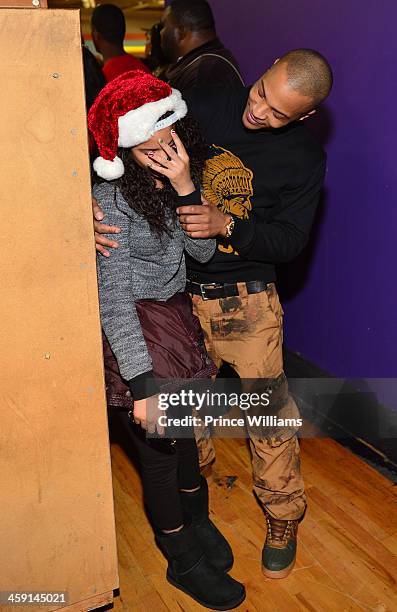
point(107, 169)
point(139, 125)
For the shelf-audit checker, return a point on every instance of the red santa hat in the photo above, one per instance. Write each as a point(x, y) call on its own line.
point(126, 113)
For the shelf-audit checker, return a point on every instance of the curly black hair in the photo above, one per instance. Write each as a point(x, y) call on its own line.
point(138, 187)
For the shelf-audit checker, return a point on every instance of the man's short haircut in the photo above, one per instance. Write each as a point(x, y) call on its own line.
point(192, 15)
point(109, 21)
point(309, 73)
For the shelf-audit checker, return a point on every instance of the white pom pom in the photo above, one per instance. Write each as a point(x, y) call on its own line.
point(109, 170)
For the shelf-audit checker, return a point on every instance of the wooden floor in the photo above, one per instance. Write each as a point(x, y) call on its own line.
point(347, 542)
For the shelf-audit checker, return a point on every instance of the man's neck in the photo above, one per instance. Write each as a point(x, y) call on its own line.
point(110, 51)
point(195, 40)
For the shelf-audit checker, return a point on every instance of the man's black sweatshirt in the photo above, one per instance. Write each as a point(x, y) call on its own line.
point(269, 180)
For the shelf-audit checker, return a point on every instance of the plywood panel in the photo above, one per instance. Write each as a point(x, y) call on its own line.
point(56, 501)
point(33, 4)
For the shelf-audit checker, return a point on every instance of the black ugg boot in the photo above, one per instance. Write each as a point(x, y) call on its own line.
point(216, 547)
point(190, 571)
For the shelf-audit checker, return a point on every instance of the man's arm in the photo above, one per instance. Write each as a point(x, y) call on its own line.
point(201, 250)
point(285, 234)
point(279, 239)
point(203, 221)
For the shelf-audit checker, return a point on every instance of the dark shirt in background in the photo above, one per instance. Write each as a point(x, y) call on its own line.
point(93, 77)
point(209, 65)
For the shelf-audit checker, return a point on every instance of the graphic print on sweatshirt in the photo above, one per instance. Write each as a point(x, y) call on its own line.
point(228, 184)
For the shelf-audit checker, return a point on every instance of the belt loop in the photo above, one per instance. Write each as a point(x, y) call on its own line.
point(242, 289)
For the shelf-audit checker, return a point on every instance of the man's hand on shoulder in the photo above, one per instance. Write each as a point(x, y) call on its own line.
point(100, 228)
point(203, 221)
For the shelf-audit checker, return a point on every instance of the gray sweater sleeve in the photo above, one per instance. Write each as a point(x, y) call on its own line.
point(115, 274)
point(201, 249)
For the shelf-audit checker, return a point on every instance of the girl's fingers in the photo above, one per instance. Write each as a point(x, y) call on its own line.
point(176, 164)
point(159, 169)
point(180, 149)
point(160, 160)
point(169, 150)
point(151, 428)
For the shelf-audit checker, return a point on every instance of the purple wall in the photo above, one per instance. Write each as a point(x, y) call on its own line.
point(343, 317)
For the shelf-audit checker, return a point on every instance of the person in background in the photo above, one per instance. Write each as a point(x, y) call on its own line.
point(94, 82)
point(94, 79)
point(189, 41)
point(108, 32)
point(155, 58)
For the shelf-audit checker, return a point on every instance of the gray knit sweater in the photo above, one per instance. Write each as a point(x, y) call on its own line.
point(143, 267)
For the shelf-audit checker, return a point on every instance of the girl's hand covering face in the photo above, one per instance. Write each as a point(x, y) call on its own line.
point(174, 165)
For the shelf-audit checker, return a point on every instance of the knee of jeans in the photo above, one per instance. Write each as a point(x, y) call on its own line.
point(274, 440)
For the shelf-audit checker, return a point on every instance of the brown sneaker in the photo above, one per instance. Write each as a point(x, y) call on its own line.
point(279, 551)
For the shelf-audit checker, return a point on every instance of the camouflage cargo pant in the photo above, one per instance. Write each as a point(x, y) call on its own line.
point(246, 331)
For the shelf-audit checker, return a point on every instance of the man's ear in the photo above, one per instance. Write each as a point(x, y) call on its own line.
point(312, 112)
point(95, 35)
point(180, 34)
